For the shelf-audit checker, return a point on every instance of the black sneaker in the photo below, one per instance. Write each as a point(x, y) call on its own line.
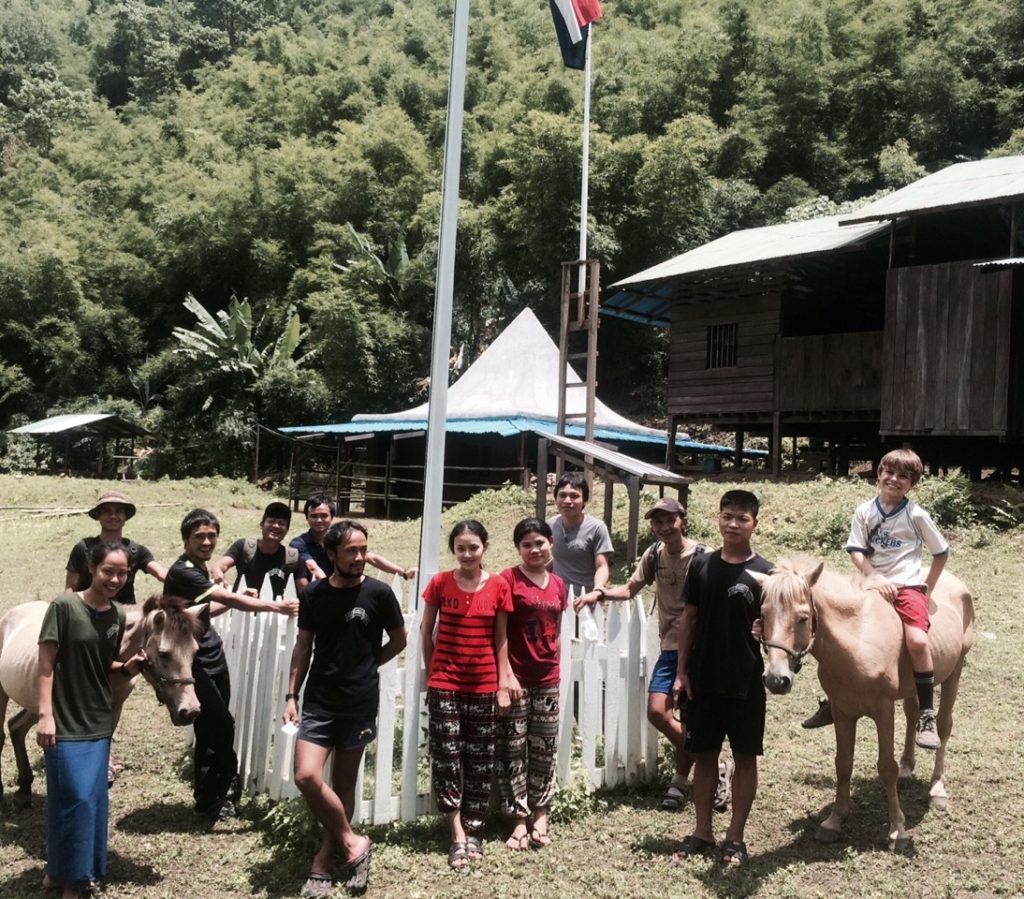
point(218, 811)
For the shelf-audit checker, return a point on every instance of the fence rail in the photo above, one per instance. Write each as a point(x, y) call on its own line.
point(602, 691)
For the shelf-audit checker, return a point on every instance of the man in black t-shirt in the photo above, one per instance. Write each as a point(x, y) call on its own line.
point(256, 559)
point(719, 671)
point(215, 763)
point(342, 622)
point(112, 510)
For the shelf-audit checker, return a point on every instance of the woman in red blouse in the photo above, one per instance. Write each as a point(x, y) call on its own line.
point(463, 659)
point(528, 728)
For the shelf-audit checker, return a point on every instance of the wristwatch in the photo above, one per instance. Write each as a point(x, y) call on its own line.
point(288, 696)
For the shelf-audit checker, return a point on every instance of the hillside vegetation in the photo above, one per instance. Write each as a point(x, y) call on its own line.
point(279, 162)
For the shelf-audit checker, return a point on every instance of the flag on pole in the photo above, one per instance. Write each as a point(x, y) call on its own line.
point(572, 25)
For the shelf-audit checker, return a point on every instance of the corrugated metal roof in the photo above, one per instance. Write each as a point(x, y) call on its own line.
point(1000, 263)
point(648, 473)
point(508, 427)
point(96, 422)
point(772, 243)
point(963, 184)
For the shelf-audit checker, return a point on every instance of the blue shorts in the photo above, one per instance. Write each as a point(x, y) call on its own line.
point(664, 673)
point(333, 731)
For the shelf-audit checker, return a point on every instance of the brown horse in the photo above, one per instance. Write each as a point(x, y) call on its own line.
point(857, 639)
point(163, 628)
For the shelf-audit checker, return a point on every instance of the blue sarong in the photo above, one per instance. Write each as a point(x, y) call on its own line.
point(77, 809)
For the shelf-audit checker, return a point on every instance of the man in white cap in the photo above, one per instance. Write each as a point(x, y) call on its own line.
point(112, 510)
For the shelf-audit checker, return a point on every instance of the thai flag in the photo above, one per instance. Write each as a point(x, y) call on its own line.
point(572, 25)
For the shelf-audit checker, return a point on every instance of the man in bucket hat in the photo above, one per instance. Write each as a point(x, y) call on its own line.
point(112, 510)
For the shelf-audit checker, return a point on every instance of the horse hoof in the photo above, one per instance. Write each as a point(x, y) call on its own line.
point(22, 801)
point(827, 835)
point(939, 803)
point(900, 844)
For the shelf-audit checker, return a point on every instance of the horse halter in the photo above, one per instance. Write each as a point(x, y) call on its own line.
point(796, 657)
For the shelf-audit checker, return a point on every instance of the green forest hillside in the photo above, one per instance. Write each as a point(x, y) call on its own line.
point(278, 161)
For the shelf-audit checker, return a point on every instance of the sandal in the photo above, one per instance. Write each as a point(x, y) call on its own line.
point(674, 799)
point(317, 886)
point(723, 791)
point(457, 857)
point(518, 842)
point(734, 853)
point(359, 871)
point(690, 847)
point(539, 839)
point(474, 849)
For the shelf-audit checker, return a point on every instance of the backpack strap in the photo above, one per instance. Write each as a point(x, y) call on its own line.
point(650, 568)
point(249, 550)
point(291, 559)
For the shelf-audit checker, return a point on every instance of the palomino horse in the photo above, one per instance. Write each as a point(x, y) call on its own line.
point(163, 628)
point(857, 639)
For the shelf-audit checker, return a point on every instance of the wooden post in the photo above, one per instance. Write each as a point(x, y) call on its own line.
point(633, 530)
point(540, 507)
point(256, 460)
point(776, 450)
point(670, 443)
point(609, 489)
point(738, 463)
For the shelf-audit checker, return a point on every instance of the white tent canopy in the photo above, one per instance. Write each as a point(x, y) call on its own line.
point(517, 377)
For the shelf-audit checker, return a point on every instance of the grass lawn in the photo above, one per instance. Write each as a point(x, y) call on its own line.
point(614, 844)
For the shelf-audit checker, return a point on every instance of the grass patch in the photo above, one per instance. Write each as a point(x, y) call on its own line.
point(610, 844)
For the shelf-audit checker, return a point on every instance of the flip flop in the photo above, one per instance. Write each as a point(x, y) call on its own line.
point(316, 886)
point(359, 871)
point(457, 858)
point(474, 849)
point(690, 847)
point(734, 853)
point(518, 843)
point(539, 840)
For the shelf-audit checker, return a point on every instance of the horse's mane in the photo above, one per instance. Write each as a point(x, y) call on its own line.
point(177, 618)
point(839, 586)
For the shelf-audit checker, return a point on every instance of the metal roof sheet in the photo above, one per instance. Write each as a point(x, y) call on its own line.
point(963, 184)
point(97, 422)
point(772, 243)
point(619, 461)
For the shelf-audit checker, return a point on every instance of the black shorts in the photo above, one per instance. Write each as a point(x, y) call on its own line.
point(710, 720)
point(335, 731)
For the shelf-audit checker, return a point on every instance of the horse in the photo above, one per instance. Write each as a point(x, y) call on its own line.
point(857, 639)
point(162, 627)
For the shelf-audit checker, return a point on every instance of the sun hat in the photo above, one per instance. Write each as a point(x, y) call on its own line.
point(109, 499)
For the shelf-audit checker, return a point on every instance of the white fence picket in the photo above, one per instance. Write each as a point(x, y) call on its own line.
point(603, 694)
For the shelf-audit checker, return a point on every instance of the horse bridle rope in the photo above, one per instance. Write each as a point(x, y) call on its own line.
point(796, 656)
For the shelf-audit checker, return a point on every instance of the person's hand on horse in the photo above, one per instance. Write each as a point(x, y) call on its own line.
point(757, 629)
point(138, 661)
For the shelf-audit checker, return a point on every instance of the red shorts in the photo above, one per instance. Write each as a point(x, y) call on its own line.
point(912, 606)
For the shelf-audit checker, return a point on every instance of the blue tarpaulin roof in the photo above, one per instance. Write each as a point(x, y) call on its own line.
point(508, 426)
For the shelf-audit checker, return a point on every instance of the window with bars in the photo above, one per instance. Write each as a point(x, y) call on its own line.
point(721, 349)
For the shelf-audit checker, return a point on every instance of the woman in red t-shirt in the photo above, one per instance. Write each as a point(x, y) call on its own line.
point(463, 660)
point(528, 728)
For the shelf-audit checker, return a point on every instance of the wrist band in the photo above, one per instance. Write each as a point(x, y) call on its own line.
point(288, 696)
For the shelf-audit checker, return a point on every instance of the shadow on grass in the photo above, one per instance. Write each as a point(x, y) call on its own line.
point(865, 832)
point(176, 817)
point(120, 870)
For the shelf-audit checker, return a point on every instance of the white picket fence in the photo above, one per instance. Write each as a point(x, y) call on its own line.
point(605, 681)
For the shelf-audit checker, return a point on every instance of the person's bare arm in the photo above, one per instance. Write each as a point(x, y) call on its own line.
point(886, 588)
point(934, 570)
point(220, 569)
point(602, 570)
point(509, 689)
point(427, 634)
point(249, 603)
point(687, 625)
point(396, 643)
point(71, 582)
point(389, 567)
point(301, 655)
point(623, 592)
point(46, 729)
point(155, 569)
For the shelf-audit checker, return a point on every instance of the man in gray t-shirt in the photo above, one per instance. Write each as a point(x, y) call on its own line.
point(582, 546)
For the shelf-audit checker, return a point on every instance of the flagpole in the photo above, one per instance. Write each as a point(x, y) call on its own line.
point(585, 181)
point(433, 481)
